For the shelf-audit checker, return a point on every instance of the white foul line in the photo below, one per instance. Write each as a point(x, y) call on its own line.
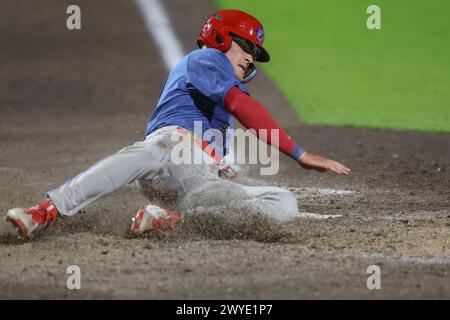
point(318, 216)
point(158, 23)
point(320, 191)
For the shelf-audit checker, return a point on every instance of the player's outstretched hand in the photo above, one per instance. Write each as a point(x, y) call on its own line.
point(311, 161)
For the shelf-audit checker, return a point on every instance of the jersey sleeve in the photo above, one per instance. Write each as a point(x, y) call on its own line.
point(211, 73)
point(253, 115)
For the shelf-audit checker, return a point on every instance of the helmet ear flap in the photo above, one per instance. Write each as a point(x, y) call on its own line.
point(226, 43)
point(222, 42)
point(218, 39)
point(214, 38)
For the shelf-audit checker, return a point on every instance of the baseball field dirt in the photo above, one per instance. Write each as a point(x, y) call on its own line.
point(70, 98)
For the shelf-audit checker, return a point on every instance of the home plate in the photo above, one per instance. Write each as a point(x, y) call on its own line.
point(318, 216)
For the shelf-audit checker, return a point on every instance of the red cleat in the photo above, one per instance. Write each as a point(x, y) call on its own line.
point(153, 218)
point(30, 222)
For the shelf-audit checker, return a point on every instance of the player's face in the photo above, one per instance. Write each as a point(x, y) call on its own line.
point(239, 59)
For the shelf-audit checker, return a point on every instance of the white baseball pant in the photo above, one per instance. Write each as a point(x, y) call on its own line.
point(177, 187)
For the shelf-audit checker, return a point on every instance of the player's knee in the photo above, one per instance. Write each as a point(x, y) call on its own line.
point(288, 205)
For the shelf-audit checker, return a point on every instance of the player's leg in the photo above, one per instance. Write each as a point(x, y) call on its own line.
point(168, 187)
point(164, 192)
point(216, 196)
point(278, 203)
point(197, 188)
point(130, 163)
point(213, 193)
point(143, 159)
point(185, 188)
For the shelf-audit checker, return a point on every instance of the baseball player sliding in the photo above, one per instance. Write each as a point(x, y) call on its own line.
point(205, 87)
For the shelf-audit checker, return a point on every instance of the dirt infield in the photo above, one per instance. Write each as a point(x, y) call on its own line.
point(70, 98)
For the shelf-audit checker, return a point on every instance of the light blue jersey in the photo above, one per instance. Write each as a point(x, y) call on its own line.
point(194, 92)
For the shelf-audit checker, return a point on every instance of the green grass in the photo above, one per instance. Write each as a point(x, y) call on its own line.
point(333, 70)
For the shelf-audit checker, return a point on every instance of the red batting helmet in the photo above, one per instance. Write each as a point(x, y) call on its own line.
point(227, 25)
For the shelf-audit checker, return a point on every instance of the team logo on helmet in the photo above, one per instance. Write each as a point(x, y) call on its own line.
point(260, 34)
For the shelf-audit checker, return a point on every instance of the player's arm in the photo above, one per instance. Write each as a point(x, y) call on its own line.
point(253, 115)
